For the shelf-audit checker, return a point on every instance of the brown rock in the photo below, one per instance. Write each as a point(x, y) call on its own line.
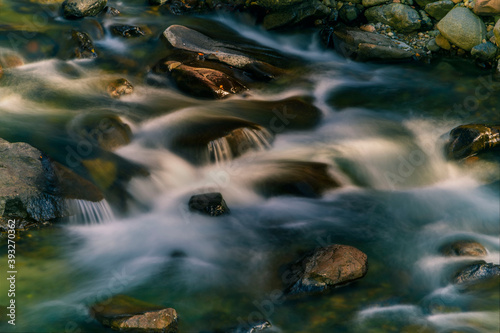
point(368, 28)
point(327, 267)
point(487, 7)
point(1, 71)
point(119, 88)
point(11, 60)
point(464, 248)
point(125, 313)
point(443, 42)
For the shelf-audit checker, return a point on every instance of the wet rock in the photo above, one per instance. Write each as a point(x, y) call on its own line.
point(84, 46)
point(477, 272)
point(110, 11)
point(127, 31)
point(108, 132)
point(366, 46)
point(484, 51)
point(190, 40)
point(439, 9)
point(28, 189)
point(1, 71)
point(463, 248)
point(10, 59)
point(120, 87)
point(124, 313)
point(203, 82)
point(73, 9)
point(253, 327)
point(297, 15)
point(423, 3)
point(400, 17)
point(469, 140)
point(157, 2)
point(487, 7)
point(462, 28)
point(432, 45)
point(209, 204)
point(349, 14)
point(325, 268)
point(426, 23)
point(371, 3)
point(296, 178)
point(72, 186)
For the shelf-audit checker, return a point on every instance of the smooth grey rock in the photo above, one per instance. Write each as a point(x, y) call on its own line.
point(462, 28)
point(400, 17)
point(484, 51)
point(432, 46)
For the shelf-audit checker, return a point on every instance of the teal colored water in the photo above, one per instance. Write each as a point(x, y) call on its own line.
point(382, 132)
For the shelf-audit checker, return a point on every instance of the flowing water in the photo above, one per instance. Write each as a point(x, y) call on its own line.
point(382, 133)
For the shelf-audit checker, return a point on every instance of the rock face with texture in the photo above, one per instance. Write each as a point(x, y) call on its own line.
point(462, 28)
point(439, 9)
point(484, 51)
point(367, 46)
point(303, 14)
point(487, 7)
point(327, 267)
point(120, 87)
point(400, 17)
point(203, 82)
point(73, 9)
point(477, 272)
point(124, 313)
point(464, 248)
point(33, 189)
point(209, 203)
point(468, 140)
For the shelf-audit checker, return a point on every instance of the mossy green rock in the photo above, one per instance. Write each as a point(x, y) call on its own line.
point(439, 9)
point(400, 17)
point(462, 28)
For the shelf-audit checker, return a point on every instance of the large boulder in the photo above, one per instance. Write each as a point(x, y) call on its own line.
point(124, 313)
point(464, 248)
point(462, 28)
point(469, 140)
point(327, 267)
point(400, 17)
point(73, 9)
point(33, 188)
point(368, 46)
point(487, 7)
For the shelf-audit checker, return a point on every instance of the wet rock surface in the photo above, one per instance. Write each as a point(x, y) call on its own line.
point(326, 268)
point(469, 140)
point(475, 273)
point(74, 9)
point(127, 31)
point(397, 15)
point(464, 248)
point(83, 45)
point(120, 87)
point(212, 204)
point(124, 313)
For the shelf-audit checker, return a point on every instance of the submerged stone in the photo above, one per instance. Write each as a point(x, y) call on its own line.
point(120, 87)
point(73, 9)
point(478, 272)
point(209, 204)
point(124, 313)
point(325, 268)
point(84, 46)
point(127, 31)
point(463, 248)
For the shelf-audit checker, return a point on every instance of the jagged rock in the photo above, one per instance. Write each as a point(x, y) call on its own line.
point(127, 31)
point(120, 87)
point(439, 9)
point(367, 46)
point(475, 273)
point(303, 14)
point(400, 17)
point(33, 188)
point(487, 7)
point(124, 313)
point(73, 9)
point(297, 178)
point(463, 248)
point(484, 51)
point(209, 203)
point(203, 82)
point(462, 28)
point(325, 268)
point(469, 140)
point(84, 47)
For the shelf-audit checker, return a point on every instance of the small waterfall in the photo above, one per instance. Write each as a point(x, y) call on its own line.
point(238, 142)
point(90, 213)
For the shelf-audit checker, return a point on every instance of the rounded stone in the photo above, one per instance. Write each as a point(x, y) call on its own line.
point(462, 28)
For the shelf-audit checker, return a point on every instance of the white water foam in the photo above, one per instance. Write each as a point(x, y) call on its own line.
point(90, 213)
